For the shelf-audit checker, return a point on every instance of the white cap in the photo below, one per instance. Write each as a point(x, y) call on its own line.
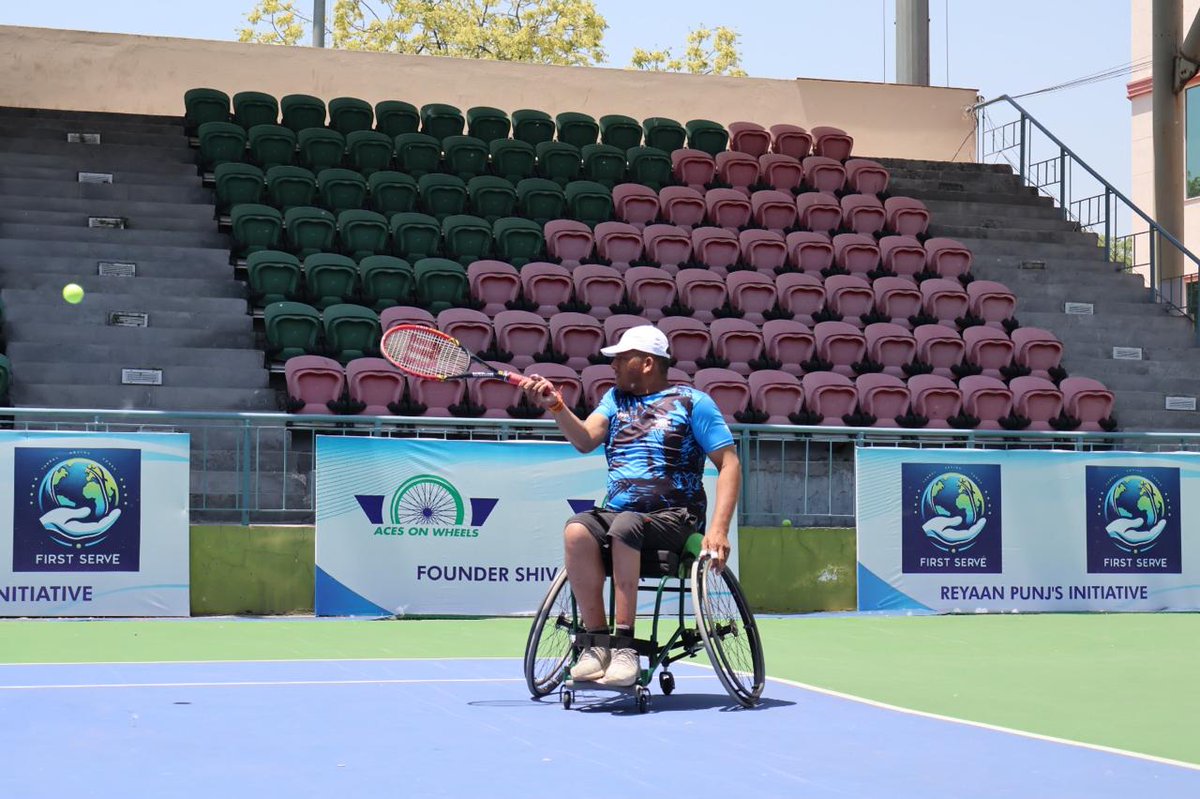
point(643, 338)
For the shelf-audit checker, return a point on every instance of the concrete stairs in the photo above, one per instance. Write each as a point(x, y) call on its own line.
point(1008, 227)
point(199, 332)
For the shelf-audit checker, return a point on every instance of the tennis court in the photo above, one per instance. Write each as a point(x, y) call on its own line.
point(1054, 705)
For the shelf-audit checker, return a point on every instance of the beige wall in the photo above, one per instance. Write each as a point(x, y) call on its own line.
point(75, 70)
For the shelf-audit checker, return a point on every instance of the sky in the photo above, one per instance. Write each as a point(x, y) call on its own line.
point(1009, 48)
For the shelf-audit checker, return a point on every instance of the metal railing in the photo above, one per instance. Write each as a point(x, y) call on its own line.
point(257, 468)
point(1129, 238)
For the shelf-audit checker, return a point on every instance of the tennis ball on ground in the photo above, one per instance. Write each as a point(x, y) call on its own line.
point(787, 522)
point(73, 293)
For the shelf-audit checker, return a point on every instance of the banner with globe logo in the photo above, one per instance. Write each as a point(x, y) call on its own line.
point(967, 530)
point(98, 524)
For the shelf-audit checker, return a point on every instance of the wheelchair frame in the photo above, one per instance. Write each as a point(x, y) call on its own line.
point(557, 637)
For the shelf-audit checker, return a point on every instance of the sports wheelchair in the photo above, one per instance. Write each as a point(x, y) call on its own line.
point(724, 628)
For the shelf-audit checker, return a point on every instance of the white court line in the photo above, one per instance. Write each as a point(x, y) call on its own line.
point(86, 663)
point(272, 683)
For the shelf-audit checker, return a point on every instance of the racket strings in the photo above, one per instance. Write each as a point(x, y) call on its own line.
point(425, 352)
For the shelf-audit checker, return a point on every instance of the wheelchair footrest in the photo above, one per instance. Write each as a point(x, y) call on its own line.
point(643, 647)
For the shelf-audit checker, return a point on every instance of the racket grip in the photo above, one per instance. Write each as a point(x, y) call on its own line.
point(514, 378)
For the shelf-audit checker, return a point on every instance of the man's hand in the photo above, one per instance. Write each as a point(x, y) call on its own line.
point(540, 391)
point(716, 544)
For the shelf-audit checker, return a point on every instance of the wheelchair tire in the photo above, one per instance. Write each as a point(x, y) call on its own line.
point(729, 631)
point(548, 650)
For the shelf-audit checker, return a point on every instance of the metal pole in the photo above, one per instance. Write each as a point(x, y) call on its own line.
point(318, 39)
point(912, 42)
point(1167, 27)
point(1108, 245)
point(1022, 148)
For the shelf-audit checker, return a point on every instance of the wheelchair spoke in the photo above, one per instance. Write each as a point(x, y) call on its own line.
point(730, 634)
point(548, 650)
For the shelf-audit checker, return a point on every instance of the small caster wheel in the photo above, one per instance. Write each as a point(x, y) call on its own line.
point(567, 698)
point(666, 681)
point(643, 699)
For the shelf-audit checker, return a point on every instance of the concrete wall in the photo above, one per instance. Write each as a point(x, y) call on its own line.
point(269, 570)
point(85, 71)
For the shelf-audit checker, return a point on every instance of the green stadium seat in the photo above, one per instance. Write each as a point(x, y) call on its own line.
point(465, 156)
point(440, 284)
point(320, 148)
point(386, 281)
point(649, 166)
point(273, 276)
point(290, 187)
point(341, 189)
point(362, 233)
point(707, 136)
point(309, 230)
point(620, 131)
point(604, 164)
point(466, 238)
point(532, 126)
point(415, 236)
point(392, 192)
point(394, 117)
point(348, 114)
point(487, 124)
point(202, 105)
point(513, 160)
point(663, 133)
point(292, 328)
point(540, 200)
point(351, 331)
point(255, 108)
point(589, 202)
point(255, 227)
point(417, 154)
point(491, 197)
point(368, 151)
point(440, 120)
point(518, 241)
point(220, 142)
point(559, 162)
point(271, 145)
point(302, 111)
point(442, 195)
point(577, 129)
point(329, 279)
point(237, 183)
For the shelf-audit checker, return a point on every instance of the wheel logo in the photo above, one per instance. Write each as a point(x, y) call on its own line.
point(427, 501)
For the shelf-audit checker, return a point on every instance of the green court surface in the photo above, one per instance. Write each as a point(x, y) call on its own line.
point(1126, 681)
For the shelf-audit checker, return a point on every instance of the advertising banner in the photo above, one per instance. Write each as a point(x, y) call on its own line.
point(1027, 530)
point(443, 528)
point(96, 524)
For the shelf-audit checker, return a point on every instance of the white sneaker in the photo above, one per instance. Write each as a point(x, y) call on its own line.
point(591, 664)
point(623, 669)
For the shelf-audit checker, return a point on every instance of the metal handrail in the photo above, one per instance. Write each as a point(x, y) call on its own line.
point(1058, 165)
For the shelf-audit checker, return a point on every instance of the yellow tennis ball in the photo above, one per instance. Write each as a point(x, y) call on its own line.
point(73, 293)
point(787, 522)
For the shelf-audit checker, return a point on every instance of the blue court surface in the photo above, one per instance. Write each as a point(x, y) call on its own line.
point(366, 728)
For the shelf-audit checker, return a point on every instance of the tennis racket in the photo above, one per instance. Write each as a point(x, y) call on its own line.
point(433, 355)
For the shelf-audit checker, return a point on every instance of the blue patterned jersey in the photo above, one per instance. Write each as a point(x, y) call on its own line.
point(656, 448)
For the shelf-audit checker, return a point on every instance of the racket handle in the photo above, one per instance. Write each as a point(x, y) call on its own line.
point(514, 378)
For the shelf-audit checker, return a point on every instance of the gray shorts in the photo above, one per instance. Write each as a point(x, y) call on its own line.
point(665, 530)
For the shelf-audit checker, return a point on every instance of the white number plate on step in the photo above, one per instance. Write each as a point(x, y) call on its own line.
point(1181, 403)
point(141, 377)
point(1127, 353)
point(1079, 308)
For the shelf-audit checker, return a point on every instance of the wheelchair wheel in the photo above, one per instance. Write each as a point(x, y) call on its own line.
point(548, 650)
point(729, 631)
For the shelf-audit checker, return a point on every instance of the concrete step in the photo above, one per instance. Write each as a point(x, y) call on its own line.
point(50, 133)
point(1002, 222)
point(140, 288)
point(135, 162)
point(949, 191)
point(1178, 377)
point(88, 206)
point(97, 119)
point(17, 248)
point(126, 238)
point(1126, 308)
point(902, 185)
point(1152, 329)
point(1158, 421)
point(132, 336)
point(186, 190)
point(993, 210)
point(173, 375)
point(171, 149)
point(1091, 288)
point(36, 272)
point(127, 176)
point(1011, 234)
point(77, 320)
point(166, 398)
point(23, 303)
point(1077, 246)
point(1134, 400)
point(32, 351)
point(957, 167)
point(190, 223)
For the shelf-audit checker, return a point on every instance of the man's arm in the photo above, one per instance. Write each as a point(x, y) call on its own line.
point(729, 485)
point(584, 435)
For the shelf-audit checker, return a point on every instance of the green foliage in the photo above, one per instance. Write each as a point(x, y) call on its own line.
point(709, 51)
point(567, 32)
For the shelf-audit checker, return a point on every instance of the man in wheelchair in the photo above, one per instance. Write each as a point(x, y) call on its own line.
point(655, 438)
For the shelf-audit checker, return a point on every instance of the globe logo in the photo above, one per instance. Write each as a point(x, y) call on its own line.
point(1135, 513)
point(954, 510)
point(78, 499)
